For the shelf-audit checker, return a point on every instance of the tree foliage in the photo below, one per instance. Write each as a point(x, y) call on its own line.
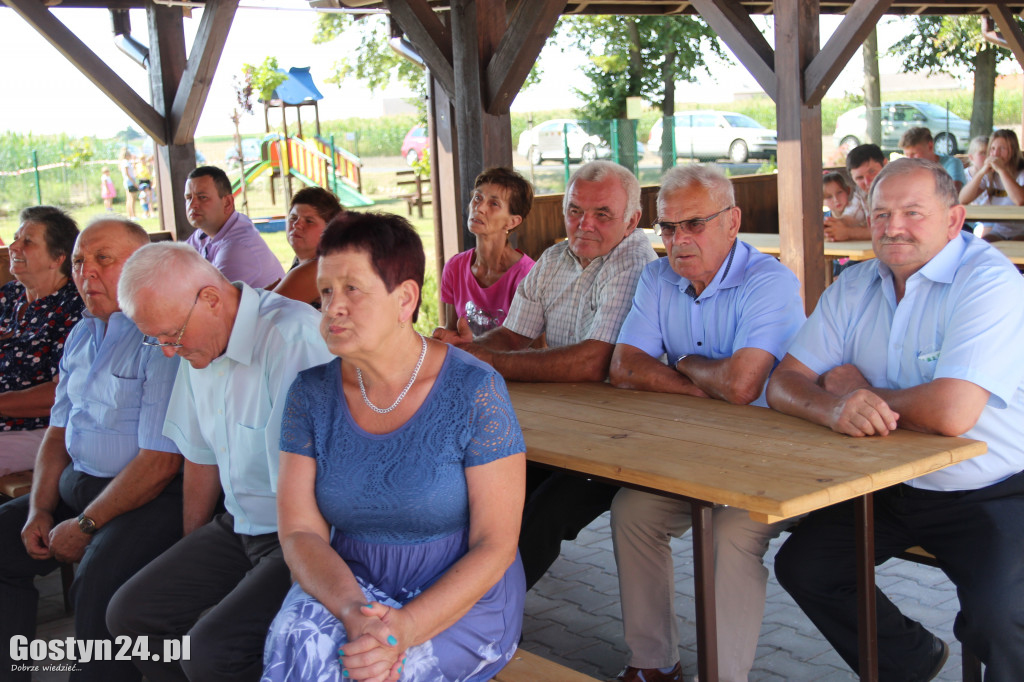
point(373, 61)
point(264, 78)
point(637, 56)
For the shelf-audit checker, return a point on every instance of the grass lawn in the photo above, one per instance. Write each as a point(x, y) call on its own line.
point(260, 206)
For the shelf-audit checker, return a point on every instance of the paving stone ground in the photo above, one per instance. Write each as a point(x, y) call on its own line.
point(573, 616)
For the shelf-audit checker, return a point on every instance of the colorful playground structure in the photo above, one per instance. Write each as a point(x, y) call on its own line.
point(313, 161)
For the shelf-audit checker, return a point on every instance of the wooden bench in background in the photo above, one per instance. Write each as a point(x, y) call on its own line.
point(420, 187)
point(527, 667)
point(5, 266)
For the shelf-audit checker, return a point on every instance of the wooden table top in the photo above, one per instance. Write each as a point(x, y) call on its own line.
point(773, 465)
point(994, 213)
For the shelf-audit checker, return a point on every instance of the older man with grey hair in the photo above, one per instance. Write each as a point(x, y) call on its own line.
point(224, 581)
point(926, 337)
point(723, 314)
point(576, 296)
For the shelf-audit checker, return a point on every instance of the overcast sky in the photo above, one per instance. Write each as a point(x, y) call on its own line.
point(43, 93)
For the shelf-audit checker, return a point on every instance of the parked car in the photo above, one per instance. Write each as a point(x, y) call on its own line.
point(547, 141)
point(415, 142)
point(710, 135)
point(952, 134)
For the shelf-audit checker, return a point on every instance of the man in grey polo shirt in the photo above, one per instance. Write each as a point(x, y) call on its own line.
point(577, 296)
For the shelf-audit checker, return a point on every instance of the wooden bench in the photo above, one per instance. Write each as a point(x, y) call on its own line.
point(421, 190)
point(527, 667)
point(161, 236)
point(16, 485)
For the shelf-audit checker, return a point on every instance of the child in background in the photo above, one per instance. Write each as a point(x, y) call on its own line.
point(976, 153)
point(107, 190)
point(847, 219)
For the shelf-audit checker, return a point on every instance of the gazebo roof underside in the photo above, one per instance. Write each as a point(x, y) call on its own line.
point(628, 6)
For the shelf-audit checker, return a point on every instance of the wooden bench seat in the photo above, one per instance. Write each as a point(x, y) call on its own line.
point(528, 667)
point(420, 193)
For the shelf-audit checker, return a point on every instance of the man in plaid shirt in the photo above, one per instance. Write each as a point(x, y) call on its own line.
point(576, 296)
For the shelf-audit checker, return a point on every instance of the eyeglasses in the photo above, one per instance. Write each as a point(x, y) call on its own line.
point(151, 340)
point(693, 226)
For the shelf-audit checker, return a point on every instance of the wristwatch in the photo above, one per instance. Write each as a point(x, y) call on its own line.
point(86, 525)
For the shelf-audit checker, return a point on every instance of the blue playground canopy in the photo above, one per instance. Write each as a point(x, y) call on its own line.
point(299, 88)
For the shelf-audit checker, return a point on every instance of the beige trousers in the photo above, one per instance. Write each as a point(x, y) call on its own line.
point(642, 527)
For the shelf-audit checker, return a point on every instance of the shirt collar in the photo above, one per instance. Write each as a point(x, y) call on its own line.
point(242, 341)
point(730, 274)
point(943, 265)
point(572, 254)
point(231, 222)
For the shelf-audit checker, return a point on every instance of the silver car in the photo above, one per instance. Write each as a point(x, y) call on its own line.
point(548, 140)
point(952, 134)
point(707, 134)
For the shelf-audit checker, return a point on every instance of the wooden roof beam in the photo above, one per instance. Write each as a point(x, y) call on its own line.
point(823, 70)
point(519, 48)
point(94, 68)
point(734, 26)
point(432, 38)
point(194, 87)
point(1010, 29)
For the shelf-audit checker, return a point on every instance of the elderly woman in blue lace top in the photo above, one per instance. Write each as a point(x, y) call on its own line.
point(37, 311)
point(401, 485)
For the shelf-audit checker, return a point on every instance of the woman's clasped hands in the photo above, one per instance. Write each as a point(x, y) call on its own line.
point(374, 652)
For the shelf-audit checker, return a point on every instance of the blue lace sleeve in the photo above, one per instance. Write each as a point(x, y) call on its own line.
point(297, 424)
point(496, 431)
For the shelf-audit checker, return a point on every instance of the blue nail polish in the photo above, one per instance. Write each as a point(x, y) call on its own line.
point(403, 661)
point(341, 652)
point(369, 606)
point(399, 670)
point(344, 673)
point(391, 640)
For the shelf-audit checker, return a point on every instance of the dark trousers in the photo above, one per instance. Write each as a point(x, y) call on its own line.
point(558, 507)
point(241, 579)
point(118, 550)
point(977, 537)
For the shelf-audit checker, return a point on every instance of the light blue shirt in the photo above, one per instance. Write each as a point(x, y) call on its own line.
point(756, 304)
point(229, 413)
point(954, 167)
point(112, 395)
point(961, 318)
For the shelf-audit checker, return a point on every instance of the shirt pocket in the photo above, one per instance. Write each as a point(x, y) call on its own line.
point(253, 465)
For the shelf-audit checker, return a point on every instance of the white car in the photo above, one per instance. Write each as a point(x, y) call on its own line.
point(952, 134)
point(547, 140)
point(709, 135)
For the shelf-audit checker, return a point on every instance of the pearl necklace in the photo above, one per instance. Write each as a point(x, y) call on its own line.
point(412, 380)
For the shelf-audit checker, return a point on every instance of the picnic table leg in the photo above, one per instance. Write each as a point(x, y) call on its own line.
point(867, 620)
point(704, 580)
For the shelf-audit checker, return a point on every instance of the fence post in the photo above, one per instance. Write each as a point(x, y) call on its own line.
point(615, 140)
point(565, 147)
point(334, 167)
point(39, 187)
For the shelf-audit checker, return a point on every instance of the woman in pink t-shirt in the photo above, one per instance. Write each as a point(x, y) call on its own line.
point(479, 284)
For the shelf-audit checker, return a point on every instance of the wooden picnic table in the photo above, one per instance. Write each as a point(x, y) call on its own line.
point(709, 452)
point(994, 213)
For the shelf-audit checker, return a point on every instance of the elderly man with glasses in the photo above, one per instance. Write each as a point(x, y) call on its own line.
point(723, 315)
point(107, 486)
point(224, 581)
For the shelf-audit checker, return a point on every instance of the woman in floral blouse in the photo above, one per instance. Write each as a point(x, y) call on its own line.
point(37, 311)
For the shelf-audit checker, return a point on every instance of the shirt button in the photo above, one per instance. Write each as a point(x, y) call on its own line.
point(700, 343)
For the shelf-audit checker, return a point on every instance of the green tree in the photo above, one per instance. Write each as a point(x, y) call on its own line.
point(373, 61)
point(264, 78)
point(639, 56)
point(944, 45)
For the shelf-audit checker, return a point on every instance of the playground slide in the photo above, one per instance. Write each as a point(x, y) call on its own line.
point(251, 174)
point(348, 196)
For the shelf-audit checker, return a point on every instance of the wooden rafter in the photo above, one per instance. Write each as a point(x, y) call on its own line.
point(1010, 29)
point(432, 39)
point(520, 46)
point(848, 37)
point(195, 83)
point(732, 23)
point(94, 68)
